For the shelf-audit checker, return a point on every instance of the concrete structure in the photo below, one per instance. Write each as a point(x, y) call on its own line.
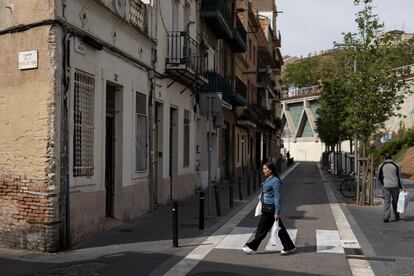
point(103, 109)
point(74, 109)
point(394, 124)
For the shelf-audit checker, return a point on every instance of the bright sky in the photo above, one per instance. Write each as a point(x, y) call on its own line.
point(307, 26)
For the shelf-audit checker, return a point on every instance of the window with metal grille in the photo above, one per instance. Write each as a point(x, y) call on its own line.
point(141, 132)
point(84, 90)
point(186, 138)
point(138, 14)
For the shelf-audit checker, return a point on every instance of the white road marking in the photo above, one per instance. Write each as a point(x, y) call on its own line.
point(237, 238)
point(292, 233)
point(328, 241)
point(360, 267)
point(200, 252)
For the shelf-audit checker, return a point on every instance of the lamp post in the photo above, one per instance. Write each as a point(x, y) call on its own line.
point(336, 44)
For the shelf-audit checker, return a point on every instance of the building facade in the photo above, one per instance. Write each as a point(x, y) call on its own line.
point(103, 107)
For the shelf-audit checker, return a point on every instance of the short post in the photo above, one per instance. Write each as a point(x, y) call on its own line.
point(175, 223)
point(240, 190)
point(201, 212)
point(231, 189)
point(217, 196)
point(248, 184)
point(254, 181)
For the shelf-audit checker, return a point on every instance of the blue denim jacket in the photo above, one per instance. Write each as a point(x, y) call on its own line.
point(271, 192)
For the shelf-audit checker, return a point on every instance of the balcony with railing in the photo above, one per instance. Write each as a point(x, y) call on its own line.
point(240, 91)
point(264, 81)
point(238, 43)
point(218, 17)
point(300, 92)
point(216, 83)
point(277, 40)
point(135, 12)
point(186, 60)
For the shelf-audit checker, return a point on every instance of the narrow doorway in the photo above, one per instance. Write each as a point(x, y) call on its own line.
point(173, 160)
point(110, 149)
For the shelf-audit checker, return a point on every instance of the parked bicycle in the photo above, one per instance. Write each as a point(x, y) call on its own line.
point(348, 186)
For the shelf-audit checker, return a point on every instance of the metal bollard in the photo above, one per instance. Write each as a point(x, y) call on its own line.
point(217, 196)
point(175, 223)
point(254, 181)
point(248, 185)
point(201, 212)
point(240, 190)
point(231, 189)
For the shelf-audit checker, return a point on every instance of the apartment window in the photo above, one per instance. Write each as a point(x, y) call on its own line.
point(141, 132)
point(186, 138)
point(84, 92)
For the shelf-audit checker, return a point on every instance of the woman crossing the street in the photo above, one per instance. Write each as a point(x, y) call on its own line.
point(271, 206)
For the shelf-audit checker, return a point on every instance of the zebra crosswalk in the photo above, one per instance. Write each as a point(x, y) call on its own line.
point(327, 241)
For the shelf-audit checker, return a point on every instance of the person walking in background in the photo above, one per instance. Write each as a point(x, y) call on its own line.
point(271, 206)
point(390, 178)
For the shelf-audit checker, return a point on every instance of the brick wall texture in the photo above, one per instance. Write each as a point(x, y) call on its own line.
point(27, 215)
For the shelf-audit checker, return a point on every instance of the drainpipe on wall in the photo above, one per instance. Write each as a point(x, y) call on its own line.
point(64, 145)
point(152, 157)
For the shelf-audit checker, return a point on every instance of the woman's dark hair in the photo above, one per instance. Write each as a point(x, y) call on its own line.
point(271, 166)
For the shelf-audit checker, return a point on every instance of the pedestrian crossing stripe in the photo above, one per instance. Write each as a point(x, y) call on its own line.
point(327, 241)
point(292, 234)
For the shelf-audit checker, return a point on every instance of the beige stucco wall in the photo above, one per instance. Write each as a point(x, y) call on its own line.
point(15, 12)
point(25, 99)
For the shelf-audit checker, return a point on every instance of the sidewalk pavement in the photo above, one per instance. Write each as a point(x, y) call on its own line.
point(144, 245)
point(387, 246)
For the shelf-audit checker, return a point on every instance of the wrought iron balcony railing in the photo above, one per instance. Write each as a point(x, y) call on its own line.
point(240, 91)
point(216, 83)
point(239, 43)
point(183, 50)
point(219, 17)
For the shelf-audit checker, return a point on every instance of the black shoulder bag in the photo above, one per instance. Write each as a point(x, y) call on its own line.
point(266, 208)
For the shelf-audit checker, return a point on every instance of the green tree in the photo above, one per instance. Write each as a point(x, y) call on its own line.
point(307, 72)
point(372, 91)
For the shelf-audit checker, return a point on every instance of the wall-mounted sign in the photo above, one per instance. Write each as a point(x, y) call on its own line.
point(79, 46)
point(28, 60)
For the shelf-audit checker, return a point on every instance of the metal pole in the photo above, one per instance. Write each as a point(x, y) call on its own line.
point(217, 196)
point(248, 184)
point(209, 154)
point(240, 190)
point(201, 212)
point(175, 223)
point(231, 193)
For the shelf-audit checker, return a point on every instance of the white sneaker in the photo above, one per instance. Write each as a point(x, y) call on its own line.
point(248, 250)
point(287, 252)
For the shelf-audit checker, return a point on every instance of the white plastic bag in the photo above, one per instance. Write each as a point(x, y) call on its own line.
point(258, 211)
point(274, 236)
point(402, 204)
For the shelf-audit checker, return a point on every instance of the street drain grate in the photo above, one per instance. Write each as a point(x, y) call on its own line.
point(353, 251)
point(296, 217)
point(302, 218)
point(125, 230)
point(216, 273)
